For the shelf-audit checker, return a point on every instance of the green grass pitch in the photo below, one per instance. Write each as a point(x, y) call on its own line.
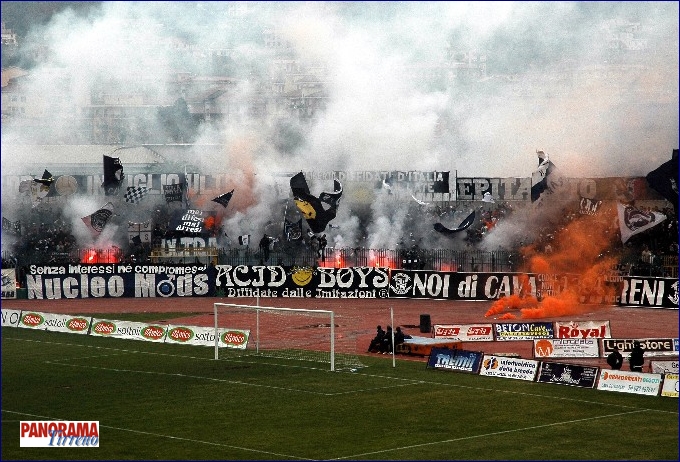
point(158, 401)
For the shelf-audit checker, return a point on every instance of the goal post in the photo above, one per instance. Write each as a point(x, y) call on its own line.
point(287, 333)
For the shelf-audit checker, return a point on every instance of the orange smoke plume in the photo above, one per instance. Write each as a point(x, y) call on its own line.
point(578, 249)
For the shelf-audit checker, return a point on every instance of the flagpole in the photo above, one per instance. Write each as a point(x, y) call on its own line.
point(285, 212)
point(185, 196)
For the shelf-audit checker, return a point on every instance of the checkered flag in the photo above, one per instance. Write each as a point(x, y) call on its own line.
point(135, 194)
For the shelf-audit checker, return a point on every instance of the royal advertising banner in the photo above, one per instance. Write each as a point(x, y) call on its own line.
point(509, 368)
point(582, 329)
point(639, 383)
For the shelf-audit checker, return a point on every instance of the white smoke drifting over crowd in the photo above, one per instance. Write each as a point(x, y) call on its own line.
point(378, 116)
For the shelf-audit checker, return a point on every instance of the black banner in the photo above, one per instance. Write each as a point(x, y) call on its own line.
point(651, 346)
point(650, 292)
point(568, 374)
point(441, 285)
point(302, 281)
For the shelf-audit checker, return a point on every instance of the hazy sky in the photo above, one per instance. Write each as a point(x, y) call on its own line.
point(552, 83)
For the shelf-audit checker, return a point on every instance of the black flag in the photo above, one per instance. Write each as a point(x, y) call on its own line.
point(113, 175)
point(224, 198)
point(664, 179)
point(47, 179)
point(311, 207)
point(464, 225)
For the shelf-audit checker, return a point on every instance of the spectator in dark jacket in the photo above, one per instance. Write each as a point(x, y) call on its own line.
point(386, 346)
point(615, 360)
point(636, 357)
point(377, 341)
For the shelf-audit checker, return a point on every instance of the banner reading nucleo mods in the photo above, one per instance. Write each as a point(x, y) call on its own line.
point(113, 281)
point(302, 281)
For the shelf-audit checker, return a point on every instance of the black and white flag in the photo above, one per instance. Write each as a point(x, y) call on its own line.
point(98, 219)
point(135, 194)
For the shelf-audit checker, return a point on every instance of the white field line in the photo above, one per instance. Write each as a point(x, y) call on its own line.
point(160, 435)
point(485, 435)
point(408, 382)
point(361, 390)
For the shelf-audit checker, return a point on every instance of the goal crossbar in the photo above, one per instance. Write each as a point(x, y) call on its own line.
point(287, 333)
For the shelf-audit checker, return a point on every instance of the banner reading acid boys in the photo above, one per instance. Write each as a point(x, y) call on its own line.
point(113, 281)
point(442, 285)
point(302, 281)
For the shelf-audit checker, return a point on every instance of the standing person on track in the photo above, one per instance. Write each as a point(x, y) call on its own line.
point(636, 357)
point(264, 247)
point(615, 360)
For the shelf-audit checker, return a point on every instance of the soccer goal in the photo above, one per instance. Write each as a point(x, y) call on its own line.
point(287, 333)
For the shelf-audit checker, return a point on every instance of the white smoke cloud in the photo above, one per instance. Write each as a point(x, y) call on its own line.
point(544, 90)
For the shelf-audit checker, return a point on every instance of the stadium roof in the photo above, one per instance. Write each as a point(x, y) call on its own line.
point(66, 159)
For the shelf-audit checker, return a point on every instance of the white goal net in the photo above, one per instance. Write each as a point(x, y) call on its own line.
point(287, 333)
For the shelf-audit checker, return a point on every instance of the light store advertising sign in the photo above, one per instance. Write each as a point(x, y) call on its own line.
point(651, 346)
point(582, 329)
point(59, 434)
point(566, 348)
point(670, 385)
point(10, 318)
point(55, 322)
point(464, 332)
point(639, 383)
point(509, 368)
point(128, 330)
